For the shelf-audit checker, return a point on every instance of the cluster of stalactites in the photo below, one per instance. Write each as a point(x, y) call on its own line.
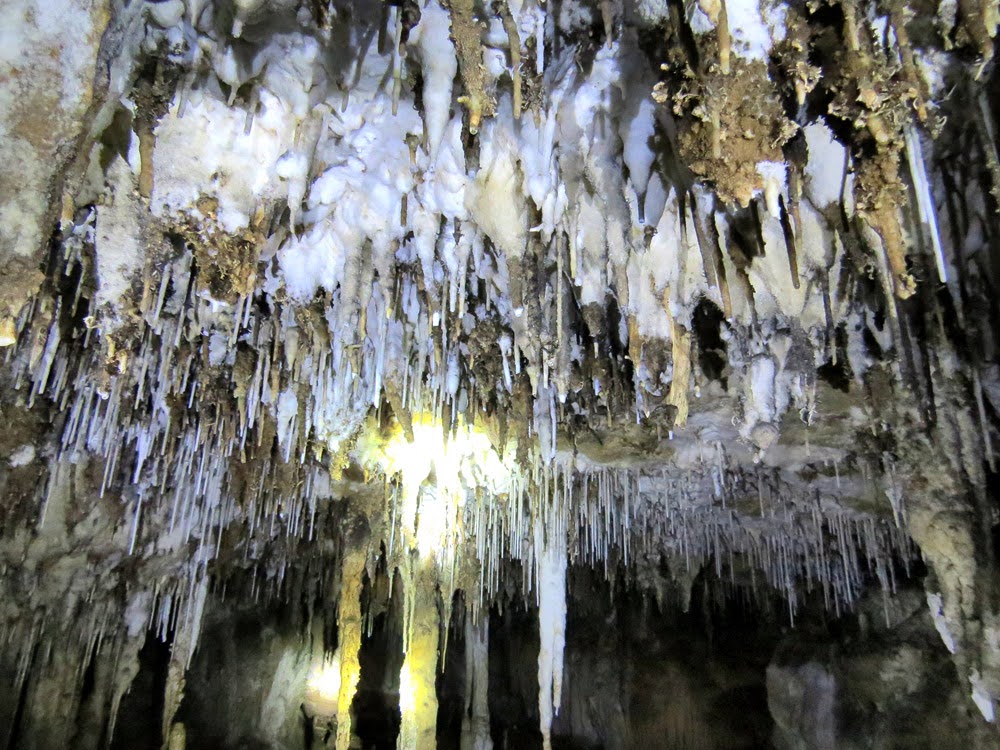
point(218, 405)
point(517, 266)
point(444, 288)
point(419, 271)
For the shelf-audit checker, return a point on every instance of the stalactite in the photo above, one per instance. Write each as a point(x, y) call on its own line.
point(476, 716)
point(679, 385)
point(465, 33)
point(349, 636)
point(178, 737)
point(551, 583)
point(276, 274)
point(182, 649)
point(417, 697)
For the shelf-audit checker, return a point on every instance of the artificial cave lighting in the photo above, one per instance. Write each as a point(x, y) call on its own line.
point(439, 470)
point(407, 691)
point(499, 374)
point(323, 687)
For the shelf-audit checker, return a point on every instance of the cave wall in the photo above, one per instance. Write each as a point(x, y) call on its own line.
point(481, 293)
point(722, 674)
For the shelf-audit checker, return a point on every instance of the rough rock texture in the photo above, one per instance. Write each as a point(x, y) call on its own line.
point(885, 681)
point(48, 74)
point(308, 300)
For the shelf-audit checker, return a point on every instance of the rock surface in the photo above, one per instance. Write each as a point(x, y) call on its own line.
point(310, 303)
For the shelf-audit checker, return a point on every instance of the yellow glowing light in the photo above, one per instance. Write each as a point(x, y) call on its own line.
point(407, 691)
point(433, 521)
point(323, 687)
point(462, 461)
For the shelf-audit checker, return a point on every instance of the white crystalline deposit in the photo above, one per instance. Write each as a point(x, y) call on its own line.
point(367, 188)
point(409, 271)
point(119, 240)
point(774, 174)
point(825, 168)
point(390, 233)
point(439, 67)
point(935, 604)
point(550, 547)
point(981, 696)
point(496, 201)
point(754, 25)
point(22, 455)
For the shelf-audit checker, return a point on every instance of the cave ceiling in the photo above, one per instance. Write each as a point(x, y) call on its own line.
point(479, 290)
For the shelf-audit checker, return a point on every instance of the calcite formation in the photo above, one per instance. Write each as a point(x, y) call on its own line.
point(320, 302)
